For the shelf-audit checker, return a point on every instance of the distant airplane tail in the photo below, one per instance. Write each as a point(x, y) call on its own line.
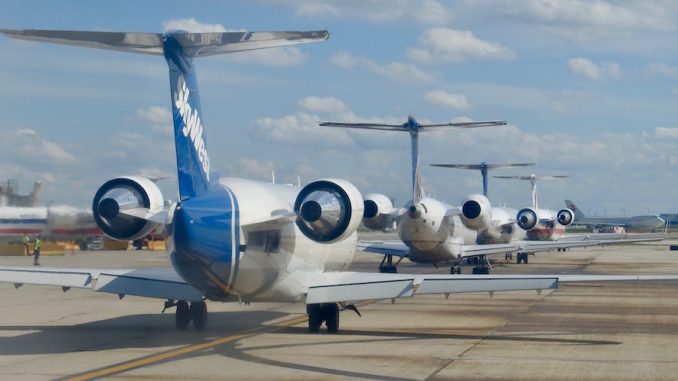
point(578, 214)
point(413, 128)
point(179, 48)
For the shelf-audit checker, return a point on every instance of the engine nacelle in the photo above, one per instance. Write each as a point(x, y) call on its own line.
point(328, 210)
point(125, 193)
point(527, 219)
point(376, 206)
point(476, 212)
point(565, 217)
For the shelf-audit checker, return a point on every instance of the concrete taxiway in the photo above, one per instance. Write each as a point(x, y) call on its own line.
point(595, 331)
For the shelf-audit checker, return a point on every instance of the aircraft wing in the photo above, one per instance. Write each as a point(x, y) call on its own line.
point(492, 249)
point(163, 283)
point(399, 249)
point(390, 247)
point(354, 286)
point(587, 240)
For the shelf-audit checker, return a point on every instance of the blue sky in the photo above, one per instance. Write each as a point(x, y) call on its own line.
point(589, 89)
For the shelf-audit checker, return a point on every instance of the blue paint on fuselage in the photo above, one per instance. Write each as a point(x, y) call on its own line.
point(206, 240)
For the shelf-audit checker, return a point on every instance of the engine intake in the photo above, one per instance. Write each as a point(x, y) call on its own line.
point(527, 218)
point(125, 193)
point(565, 217)
point(476, 212)
point(376, 208)
point(328, 210)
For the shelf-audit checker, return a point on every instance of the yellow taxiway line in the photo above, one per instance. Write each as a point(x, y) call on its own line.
point(163, 356)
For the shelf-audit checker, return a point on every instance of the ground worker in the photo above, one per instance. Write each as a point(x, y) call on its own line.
point(25, 240)
point(36, 250)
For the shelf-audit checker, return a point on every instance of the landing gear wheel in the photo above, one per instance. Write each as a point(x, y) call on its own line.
point(198, 313)
point(522, 257)
point(331, 314)
point(315, 317)
point(455, 270)
point(183, 316)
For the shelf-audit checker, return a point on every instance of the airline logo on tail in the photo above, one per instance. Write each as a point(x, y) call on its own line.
point(192, 124)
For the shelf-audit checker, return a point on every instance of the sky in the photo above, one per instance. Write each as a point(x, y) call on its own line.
point(589, 90)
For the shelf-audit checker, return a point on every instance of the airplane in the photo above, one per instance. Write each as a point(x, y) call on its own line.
point(633, 222)
point(58, 222)
point(433, 232)
point(503, 228)
point(484, 169)
point(237, 239)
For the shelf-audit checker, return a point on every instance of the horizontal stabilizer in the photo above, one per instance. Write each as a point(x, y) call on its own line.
point(481, 166)
point(404, 127)
point(529, 178)
point(193, 44)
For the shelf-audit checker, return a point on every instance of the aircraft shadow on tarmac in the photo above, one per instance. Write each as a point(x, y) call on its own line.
point(133, 331)
point(232, 350)
point(158, 330)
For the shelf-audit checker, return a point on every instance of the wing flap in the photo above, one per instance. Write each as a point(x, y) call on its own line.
point(354, 286)
point(395, 248)
point(453, 285)
point(45, 276)
point(163, 283)
point(494, 249)
point(138, 284)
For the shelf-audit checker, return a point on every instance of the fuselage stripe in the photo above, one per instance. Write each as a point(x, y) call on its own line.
point(235, 255)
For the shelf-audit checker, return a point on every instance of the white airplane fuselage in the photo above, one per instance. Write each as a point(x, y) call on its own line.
point(54, 222)
point(432, 236)
point(269, 262)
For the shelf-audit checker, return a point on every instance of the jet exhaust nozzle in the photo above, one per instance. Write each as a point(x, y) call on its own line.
point(121, 194)
point(328, 210)
point(565, 217)
point(527, 219)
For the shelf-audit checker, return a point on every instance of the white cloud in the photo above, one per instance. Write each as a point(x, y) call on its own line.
point(428, 12)
point(322, 104)
point(593, 71)
point(283, 56)
point(432, 13)
point(443, 98)
point(300, 128)
point(159, 119)
point(256, 168)
point(396, 71)
point(592, 13)
point(666, 132)
point(31, 147)
point(192, 25)
point(444, 45)
point(663, 69)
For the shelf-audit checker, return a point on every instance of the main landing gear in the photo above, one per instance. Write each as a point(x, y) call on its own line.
point(320, 313)
point(387, 265)
point(482, 265)
point(196, 312)
point(522, 257)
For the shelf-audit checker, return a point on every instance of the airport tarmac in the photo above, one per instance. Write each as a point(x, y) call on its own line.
point(594, 331)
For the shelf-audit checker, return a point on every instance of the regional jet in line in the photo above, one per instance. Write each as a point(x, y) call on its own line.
point(232, 238)
point(433, 232)
point(651, 221)
point(503, 228)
